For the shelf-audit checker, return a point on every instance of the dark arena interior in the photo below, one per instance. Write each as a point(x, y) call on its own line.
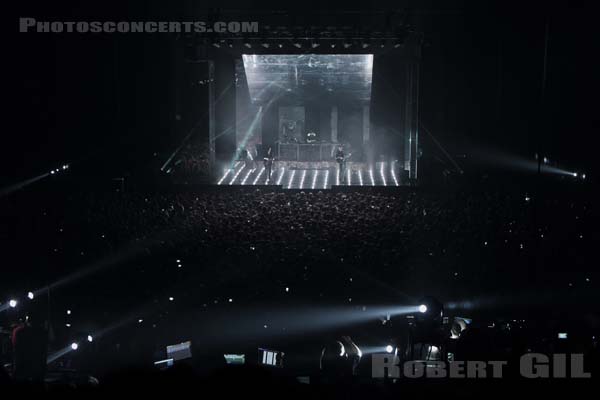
point(311, 200)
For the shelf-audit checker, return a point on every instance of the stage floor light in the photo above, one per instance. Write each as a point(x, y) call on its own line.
point(315, 177)
point(247, 176)
point(236, 175)
point(281, 174)
point(302, 179)
point(291, 180)
point(394, 176)
point(258, 176)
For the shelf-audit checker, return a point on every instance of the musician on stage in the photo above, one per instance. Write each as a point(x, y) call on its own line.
point(268, 162)
point(340, 157)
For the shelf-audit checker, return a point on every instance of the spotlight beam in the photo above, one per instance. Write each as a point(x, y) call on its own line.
point(18, 186)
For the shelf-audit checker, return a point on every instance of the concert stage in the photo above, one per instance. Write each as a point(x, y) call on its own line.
point(312, 175)
point(301, 107)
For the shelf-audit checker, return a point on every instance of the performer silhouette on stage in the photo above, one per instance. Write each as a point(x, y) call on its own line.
point(341, 158)
point(268, 162)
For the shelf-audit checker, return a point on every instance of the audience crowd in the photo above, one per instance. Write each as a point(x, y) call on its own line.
point(147, 257)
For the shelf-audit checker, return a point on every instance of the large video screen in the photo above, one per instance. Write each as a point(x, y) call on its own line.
point(309, 77)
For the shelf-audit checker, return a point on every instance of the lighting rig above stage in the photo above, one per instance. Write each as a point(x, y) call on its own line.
point(277, 32)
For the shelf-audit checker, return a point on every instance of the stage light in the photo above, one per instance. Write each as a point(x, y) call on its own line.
point(291, 180)
point(246, 176)
point(298, 45)
point(258, 176)
point(74, 346)
point(360, 178)
point(337, 177)
point(372, 178)
point(347, 45)
point(140, 321)
point(248, 45)
point(315, 45)
point(365, 45)
point(227, 171)
point(217, 45)
point(326, 180)
point(236, 175)
point(382, 173)
point(575, 174)
point(30, 295)
point(65, 166)
point(223, 177)
point(422, 308)
point(52, 172)
point(349, 177)
point(314, 181)
point(389, 348)
point(90, 338)
point(12, 303)
point(265, 45)
point(171, 298)
point(281, 174)
point(394, 175)
point(302, 179)
point(68, 312)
